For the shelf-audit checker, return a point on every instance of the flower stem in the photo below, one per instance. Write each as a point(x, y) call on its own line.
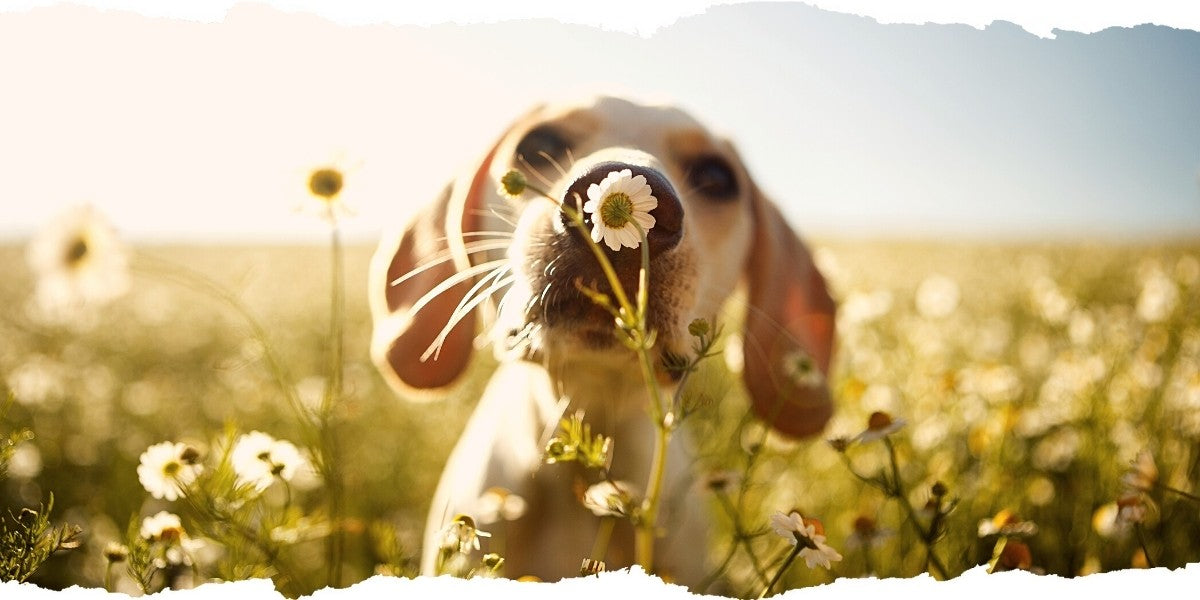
point(787, 562)
point(335, 543)
point(898, 492)
point(1165, 487)
point(600, 547)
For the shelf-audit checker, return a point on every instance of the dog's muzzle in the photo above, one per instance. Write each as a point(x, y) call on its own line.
point(668, 215)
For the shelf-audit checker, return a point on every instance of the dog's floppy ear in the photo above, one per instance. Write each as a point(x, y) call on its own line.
point(402, 335)
point(789, 330)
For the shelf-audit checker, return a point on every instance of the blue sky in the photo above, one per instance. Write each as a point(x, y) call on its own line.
point(204, 131)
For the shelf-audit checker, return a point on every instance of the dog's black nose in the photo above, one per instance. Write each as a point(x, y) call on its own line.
point(668, 214)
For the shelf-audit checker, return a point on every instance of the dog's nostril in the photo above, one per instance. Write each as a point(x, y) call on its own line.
point(668, 215)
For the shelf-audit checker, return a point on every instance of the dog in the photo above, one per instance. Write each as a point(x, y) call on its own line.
point(557, 350)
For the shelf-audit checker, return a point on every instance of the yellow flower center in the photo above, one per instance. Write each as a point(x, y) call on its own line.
point(616, 210)
point(879, 421)
point(325, 183)
point(77, 251)
point(171, 468)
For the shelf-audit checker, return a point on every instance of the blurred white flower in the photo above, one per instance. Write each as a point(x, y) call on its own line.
point(78, 262)
point(808, 533)
point(498, 503)
point(166, 468)
point(1006, 523)
point(609, 499)
point(1158, 297)
point(162, 527)
point(860, 308)
point(39, 381)
point(615, 204)
point(937, 297)
point(1143, 473)
point(25, 462)
point(461, 535)
point(1054, 306)
point(257, 458)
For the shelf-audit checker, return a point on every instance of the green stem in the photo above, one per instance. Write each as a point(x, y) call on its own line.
point(787, 562)
point(1165, 487)
point(335, 543)
point(600, 547)
point(742, 538)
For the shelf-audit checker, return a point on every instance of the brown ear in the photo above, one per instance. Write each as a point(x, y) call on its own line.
point(402, 335)
point(788, 340)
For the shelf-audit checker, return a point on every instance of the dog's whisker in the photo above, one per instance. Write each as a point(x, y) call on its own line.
point(463, 310)
point(453, 280)
point(446, 255)
point(535, 172)
point(553, 162)
point(504, 234)
point(508, 219)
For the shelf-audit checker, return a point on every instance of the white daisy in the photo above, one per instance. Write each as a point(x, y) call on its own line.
point(78, 262)
point(609, 499)
point(165, 469)
point(808, 533)
point(257, 458)
point(615, 204)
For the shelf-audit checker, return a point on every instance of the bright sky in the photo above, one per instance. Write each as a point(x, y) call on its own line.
point(201, 121)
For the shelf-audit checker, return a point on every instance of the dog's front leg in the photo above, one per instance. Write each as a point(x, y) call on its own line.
point(501, 447)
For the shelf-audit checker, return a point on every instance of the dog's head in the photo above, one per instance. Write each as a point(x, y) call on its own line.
point(713, 228)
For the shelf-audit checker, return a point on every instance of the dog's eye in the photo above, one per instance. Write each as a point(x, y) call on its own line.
point(542, 148)
point(712, 177)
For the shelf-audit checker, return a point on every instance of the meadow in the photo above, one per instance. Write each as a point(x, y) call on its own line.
point(1036, 406)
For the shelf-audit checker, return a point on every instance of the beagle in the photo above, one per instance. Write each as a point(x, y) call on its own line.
point(714, 229)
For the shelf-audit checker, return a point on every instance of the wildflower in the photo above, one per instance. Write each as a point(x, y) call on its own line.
point(866, 534)
point(879, 425)
point(513, 184)
point(325, 185)
point(810, 534)
point(839, 444)
point(698, 328)
point(166, 468)
point(115, 552)
point(162, 527)
point(1143, 473)
point(258, 458)
point(1008, 524)
point(937, 297)
point(498, 503)
point(1131, 509)
point(461, 535)
point(609, 499)
point(616, 203)
point(78, 261)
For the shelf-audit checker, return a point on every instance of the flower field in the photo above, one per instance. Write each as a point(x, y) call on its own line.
point(1019, 406)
